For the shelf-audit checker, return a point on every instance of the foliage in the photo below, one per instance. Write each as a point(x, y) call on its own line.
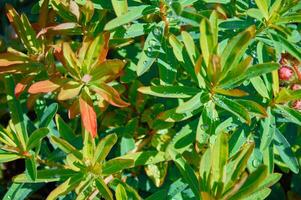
point(152, 99)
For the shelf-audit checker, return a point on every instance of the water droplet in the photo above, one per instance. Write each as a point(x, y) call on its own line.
point(152, 43)
point(157, 31)
point(255, 163)
point(149, 49)
point(246, 82)
point(204, 127)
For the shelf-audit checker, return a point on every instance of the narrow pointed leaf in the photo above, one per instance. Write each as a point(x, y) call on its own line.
point(286, 154)
point(169, 91)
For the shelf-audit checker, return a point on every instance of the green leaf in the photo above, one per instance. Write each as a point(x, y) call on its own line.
point(184, 110)
point(260, 87)
point(36, 137)
point(24, 30)
point(145, 157)
point(251, 184)
point(268, 130)
point(63, 10)
point(64, 130)
point(47, 175)
point(151, 49)
point(286, 154)
point(205, 170)
point(182, 55)
point(233, 107)
point(21, 191)
point(6, 138)
point(121, 193)
point(104, 147)
point(190, 46)
point(65, 187)
point(70, 61)
point(16, 114)
point(263, 7)
point(291, 48)
point(115, 165)
point(186, 171)
point(253, 107)
point(251, 72)
point(235, 50)
point(103, 189)
point(237, 164)
point(255, 13)
point(207, 43)
point(130, 191)
point(95, 49)
point(294, 18)
point(48, 115)
point(89, 147)
point(261, 194)
point(290, 114)
point(31, 168)
point(66, 147)
point(271, 180)
point(157, 172)
point(120, 7)
point(169, 91)
point(217, 1)
point(7, 157)
point(133, 14)
point(220, 152)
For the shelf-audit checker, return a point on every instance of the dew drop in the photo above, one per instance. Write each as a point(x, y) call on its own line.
point(157, 31)
point(246, 82)
point(152, 43)
point(149, 49)
point(255, 163)
point(204, 127)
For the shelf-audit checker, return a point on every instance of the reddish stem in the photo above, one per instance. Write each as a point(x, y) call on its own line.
point(297, 71)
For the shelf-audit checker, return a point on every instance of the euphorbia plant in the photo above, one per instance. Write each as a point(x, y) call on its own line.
point(176, 99)
point(87, 72)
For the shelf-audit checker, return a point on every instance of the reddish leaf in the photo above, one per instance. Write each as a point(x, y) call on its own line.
point(69, 90)
point(44, 10)
point(109, 94)
point(20, 87)
point(107, 71)
point(9, 59)
point(43, 87)
point(88, 115)
point(104, 52)
point(31, 100)
point(64, 28)
point(73, 111)
point(231, 92)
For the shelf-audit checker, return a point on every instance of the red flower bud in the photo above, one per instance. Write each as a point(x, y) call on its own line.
point(297, 105)
point(285, 73)
point(296, 87)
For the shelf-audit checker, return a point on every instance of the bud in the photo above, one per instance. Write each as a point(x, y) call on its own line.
point(285, 73)
point(296, 87)
point(297, 105)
